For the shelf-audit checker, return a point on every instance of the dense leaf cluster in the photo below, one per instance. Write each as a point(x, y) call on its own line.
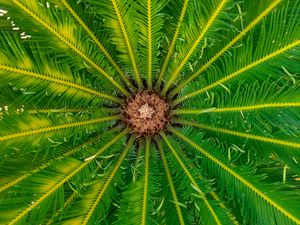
point(229, 70)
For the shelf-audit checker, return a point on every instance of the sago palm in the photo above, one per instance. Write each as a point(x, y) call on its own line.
point(169, 112)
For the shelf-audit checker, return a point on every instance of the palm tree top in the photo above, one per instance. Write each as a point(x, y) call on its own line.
point(150, 112)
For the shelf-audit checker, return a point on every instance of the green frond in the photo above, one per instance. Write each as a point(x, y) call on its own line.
point(53, 128)
point(267, 105)
point(64, 32)
point(25, 68)
point(241, 134)
point(149, 23)
point(150, 44)
point(49, 111)
point(20, 175)
point(118, 15)
point(256, 192)
point(17, 212)
point(79, 17)
point(29, 134)
point(136, 206)
point(54, 186)
point(88, 187)
point(130, 207)
point(217, 33)
point(241, 71)
point(212, 214)
point(106, 184)
point(146, 178)
point(228, 213)
point(174, 39)
point(171, 220)
point(209, 22)
point(65, 84)
point(240, 108)
point(68, 202)
point(286, 151)
point(254, 59)
point(258, 96)
point(251, 25)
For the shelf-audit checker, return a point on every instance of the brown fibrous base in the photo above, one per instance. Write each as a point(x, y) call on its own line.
point(146, 113)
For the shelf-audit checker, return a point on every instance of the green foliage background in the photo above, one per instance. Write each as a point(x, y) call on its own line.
point(230, 71)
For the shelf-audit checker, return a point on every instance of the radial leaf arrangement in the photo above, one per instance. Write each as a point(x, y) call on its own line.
point(168, 112)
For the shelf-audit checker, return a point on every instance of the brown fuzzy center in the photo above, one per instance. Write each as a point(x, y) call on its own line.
point(146, 113)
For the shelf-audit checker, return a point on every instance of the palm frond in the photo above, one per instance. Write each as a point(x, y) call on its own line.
point(19, 176)
point(79, 17)
point(174, 39)
point(287, 151)
point(238, 108)
point(137, 199)
point(149, 23)
point(21, 65)
point(259, 102)
point(118, 15)
point(64, 32)
point(172, 188)
point(47, 190)
point(240, 134)
point(100, 162)
point(280, 210)
point(212, 214)
point(54, 128)
point(144, 209)
point(31, 133)
point(290, 47)
point(254, 22)
point(209, 22)
point(106, 184)
point(66, 205)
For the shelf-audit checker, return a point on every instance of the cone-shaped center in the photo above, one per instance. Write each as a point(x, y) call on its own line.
point(146, 113)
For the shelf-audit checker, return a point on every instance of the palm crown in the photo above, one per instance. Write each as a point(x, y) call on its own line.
point(149, 112)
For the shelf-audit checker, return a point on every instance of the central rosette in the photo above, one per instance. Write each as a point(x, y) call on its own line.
point(146, 113)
